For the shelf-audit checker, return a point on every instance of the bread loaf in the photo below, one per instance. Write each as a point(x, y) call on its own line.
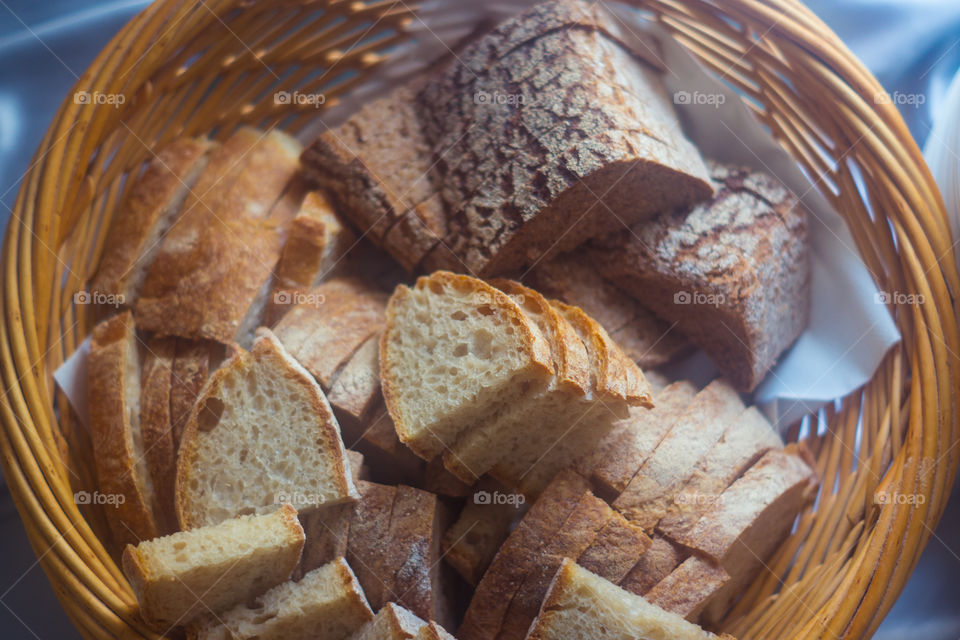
point(137, 229)
point(732, 273)
point(180, 576)
point(580, 604)
point(260, 433)
point(119, 454)
point(327, 604)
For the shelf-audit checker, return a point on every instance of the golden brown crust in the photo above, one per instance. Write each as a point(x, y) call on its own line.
point(323, 331)
point(413, 556)
point(689, 587)
point(191, 368)
point(158, 446)
point(654, 565)
point(518, 555)
point(220, 253)
point(113, 344)
point(616, 549)
point(151, 206)
point(368, 543)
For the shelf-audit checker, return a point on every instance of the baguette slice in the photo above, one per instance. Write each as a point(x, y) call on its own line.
point(580, 604)
point(155, 425)
point(689, 587)
point(661, 558)
point(368, 544)
point(356, 391)
point(261, 432)
point(154, 202)
point(215, 263)
point(394, 462)
point(392, 622)
point(327, 531)
point(616, 550)
point(433, 631)
point(327, 604)
point(191, 368)
point(315, 243)
point(117, 439)
point(180, 576)
point(326, 328)
point(455, 351)
point(647, 498)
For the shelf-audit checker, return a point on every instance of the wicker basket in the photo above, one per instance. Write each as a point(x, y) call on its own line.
point(198, 68)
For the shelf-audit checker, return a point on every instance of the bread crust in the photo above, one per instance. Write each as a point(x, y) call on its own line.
point(689, 587)
point(356, 390)
point(368, 545)
point(148, 211)
point(111, 391)
point(616, 549)
point(158, 445)
point(656, 564)
point(191, 368)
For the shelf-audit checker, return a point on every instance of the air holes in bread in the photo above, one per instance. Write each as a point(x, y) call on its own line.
point(210, 414)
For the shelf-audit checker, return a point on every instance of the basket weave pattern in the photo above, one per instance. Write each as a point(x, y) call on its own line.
point(206, 68)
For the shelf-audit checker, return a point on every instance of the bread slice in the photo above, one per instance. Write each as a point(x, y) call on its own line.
point(215, 263)
point(573, 538)
point(393, 461)
point(619, 455)
point(580, 604)
point(156, 428)
point(647, 498)
point(118, 446)
point(471, 351)
point(138, 227)
point(368, 545)
point(433, 631)
point(751, 519)
point(316, 241)
point(191, 367)
point(689, 587)
point(470, 544)
point(326, 328)
point(327, 531)
point(327, 604)
point(645, 338)
point(356, 390)
point(180, 576)
point(392, 622)
point(519, 555)
point(261, 432)
point(549, 411)
point(732, 273)
point(661, 558)
point(745, 440)
point(616, 550)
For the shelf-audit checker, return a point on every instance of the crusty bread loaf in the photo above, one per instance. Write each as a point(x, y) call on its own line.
point(619, 455)
point(327, 604)
point(392, 622)
point(649, 494)
point(215, 263)
point(158, 447)
point(154, 202)
point(188, 573)
point(645, 338)
point(118, 447)
point(654, 565)
point(470, 544)
point(326, 328)
point(260, 433)
point(580, 604)
point(518, 556)
point(315, 243)
point(744, 441)
point(191, 367)
point(471, 351)
point(689, 587)
point(733, 273)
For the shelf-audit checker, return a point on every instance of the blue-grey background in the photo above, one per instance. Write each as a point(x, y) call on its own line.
point(912, 47)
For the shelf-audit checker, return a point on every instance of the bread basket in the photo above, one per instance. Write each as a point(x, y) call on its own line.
point(196, 68)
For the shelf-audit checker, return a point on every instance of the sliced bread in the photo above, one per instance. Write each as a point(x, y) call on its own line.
point(327, 327)
point(180, 576)
point(123, 475)
point(215, 263)
point(261, 432)
point(156, 383)
point(327, 531)
point(649, 494)
point(689, 587)
point(191, 367)
point(580, 604)
point(139, 226)
point(356, 390)
point(732, 273)
point(616, 550)
point(327, 604)
point(455, 350)
point(654, 565)
point(392, 622)
point(368, 544)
